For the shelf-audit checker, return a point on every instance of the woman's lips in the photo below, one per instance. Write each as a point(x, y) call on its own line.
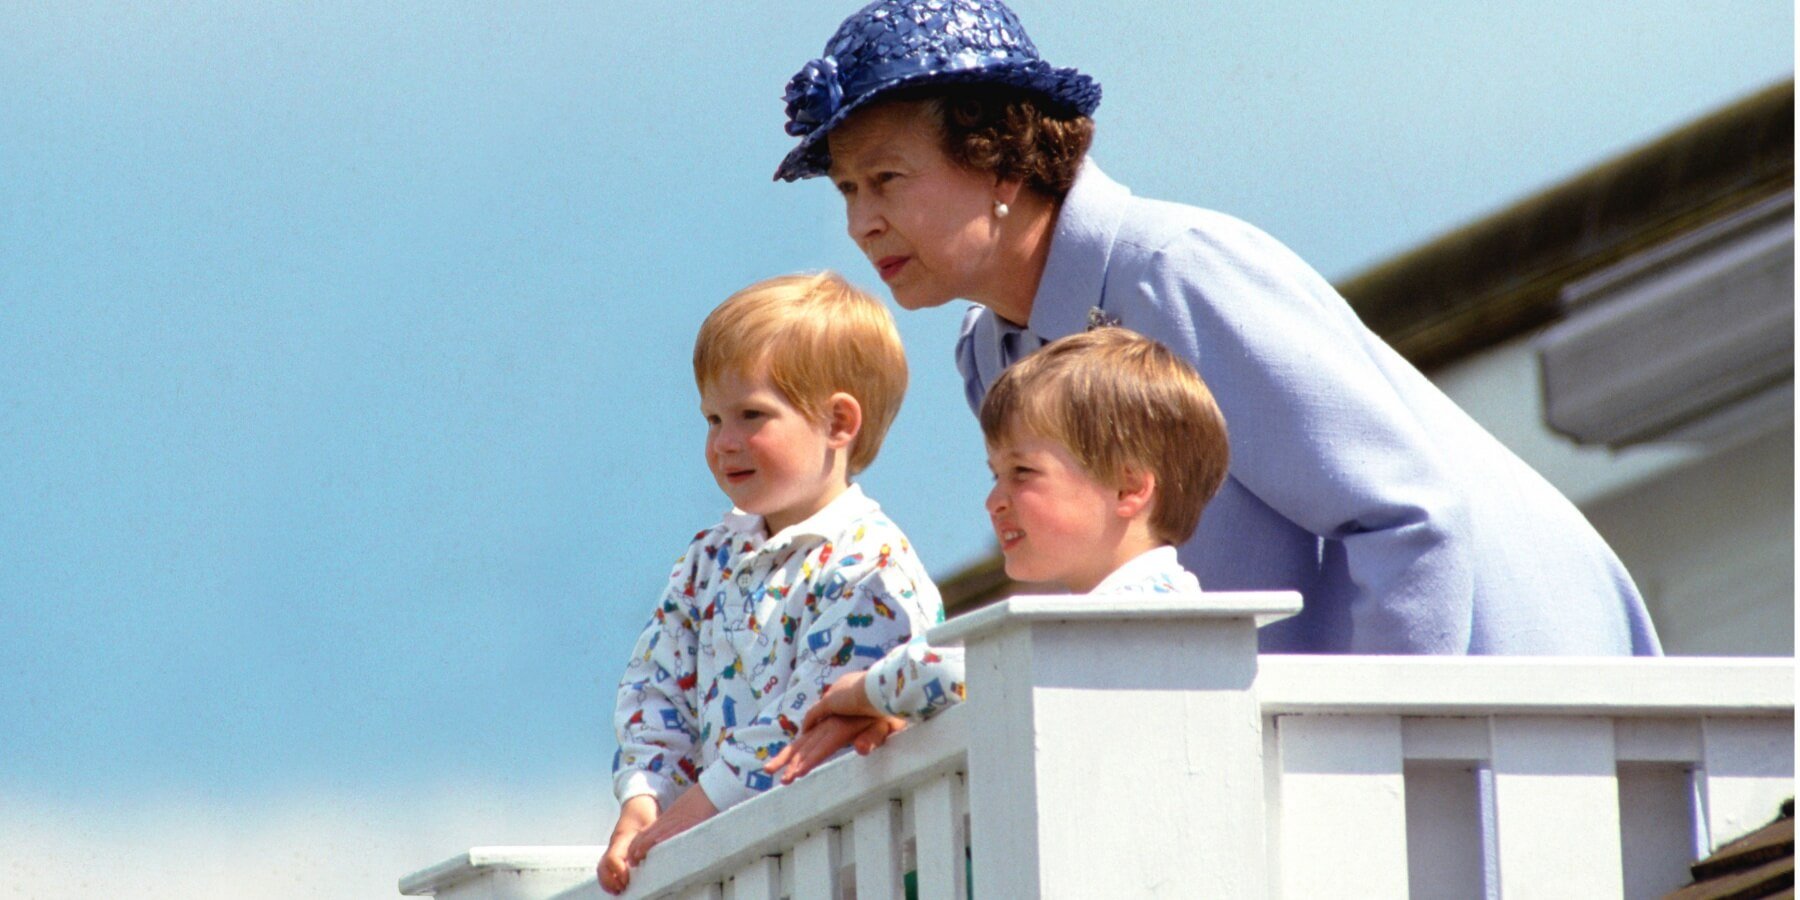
point(889, 266)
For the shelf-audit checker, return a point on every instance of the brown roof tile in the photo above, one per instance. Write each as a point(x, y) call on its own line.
point(1759, 864)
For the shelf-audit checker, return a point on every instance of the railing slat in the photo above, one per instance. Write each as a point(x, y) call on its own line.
point(1748, 771)
point(1656, 826)
point(1443, 829)
point(816, 866)
point(875, 837)
point(708, 891)
point(1556, 804)
point(1343, 807)
point(760, 880)
point(940, 837)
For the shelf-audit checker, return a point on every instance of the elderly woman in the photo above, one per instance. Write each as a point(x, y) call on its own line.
point(1407, 528)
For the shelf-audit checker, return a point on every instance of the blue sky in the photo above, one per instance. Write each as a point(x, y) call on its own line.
point(346, 423)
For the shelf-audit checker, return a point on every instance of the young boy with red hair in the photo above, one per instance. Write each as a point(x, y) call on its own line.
point(804, 581)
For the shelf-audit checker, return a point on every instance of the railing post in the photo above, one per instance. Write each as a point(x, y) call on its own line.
point(1115, 744)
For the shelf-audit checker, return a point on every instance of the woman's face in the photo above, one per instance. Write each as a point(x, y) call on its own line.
point(926, 224)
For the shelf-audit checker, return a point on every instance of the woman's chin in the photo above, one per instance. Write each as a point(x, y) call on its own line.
point(913, 300)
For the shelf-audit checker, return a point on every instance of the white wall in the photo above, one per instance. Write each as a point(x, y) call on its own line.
point(1711, 545)
point(1708, 532)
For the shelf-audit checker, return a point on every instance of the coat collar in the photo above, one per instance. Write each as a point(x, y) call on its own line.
point(1074, 278)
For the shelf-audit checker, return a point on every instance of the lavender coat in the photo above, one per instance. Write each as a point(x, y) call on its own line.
point(1404, 524)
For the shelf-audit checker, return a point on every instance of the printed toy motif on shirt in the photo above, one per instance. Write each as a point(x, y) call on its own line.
point(726, 684)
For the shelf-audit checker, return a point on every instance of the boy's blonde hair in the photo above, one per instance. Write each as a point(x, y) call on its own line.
point(1120, 403)
point(817, 334)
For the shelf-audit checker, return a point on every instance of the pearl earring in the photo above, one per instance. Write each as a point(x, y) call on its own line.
point(1001, 210)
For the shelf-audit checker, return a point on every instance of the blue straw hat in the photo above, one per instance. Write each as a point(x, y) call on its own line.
point(901, 43)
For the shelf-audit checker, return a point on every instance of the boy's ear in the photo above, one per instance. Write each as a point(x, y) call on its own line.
point(1135, 496)
point(844, 422)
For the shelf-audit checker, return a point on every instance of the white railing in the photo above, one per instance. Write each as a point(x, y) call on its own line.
point(1138, 746)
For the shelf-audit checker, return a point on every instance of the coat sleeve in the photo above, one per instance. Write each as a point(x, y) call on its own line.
point(1318, 431)
point(852, 615)
point(656, 719)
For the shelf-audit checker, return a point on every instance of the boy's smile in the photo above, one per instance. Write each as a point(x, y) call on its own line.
point(765, 454)
point(1052, 518)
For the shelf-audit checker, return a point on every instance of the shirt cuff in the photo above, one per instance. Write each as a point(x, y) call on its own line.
point(726, 790)
point(638, 782)
point(880, 675)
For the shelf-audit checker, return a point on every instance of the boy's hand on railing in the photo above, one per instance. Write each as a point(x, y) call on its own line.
point(637, 814)
point(688, 810)
point(840, 717)
point(822, 736)
point(844, 697)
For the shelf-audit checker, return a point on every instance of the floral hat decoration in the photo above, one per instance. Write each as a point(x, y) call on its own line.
point(901, 43)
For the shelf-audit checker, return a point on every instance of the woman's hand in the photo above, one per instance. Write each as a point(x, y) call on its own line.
point(688, 810)
point(637, 814)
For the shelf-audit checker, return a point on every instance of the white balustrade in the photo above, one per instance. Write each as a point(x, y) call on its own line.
point(1520, 777)
point(1135, 746)
point(758, 880)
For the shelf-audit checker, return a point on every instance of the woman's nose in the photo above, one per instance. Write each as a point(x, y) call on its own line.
point(863, 220)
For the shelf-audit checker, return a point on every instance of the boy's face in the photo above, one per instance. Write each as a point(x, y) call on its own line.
point(1051, 516)
point(764, 453)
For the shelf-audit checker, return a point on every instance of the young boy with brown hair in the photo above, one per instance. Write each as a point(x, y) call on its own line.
point(1105, 447)
point(804, 581)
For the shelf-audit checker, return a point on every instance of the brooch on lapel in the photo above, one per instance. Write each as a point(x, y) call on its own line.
point(1099, 318)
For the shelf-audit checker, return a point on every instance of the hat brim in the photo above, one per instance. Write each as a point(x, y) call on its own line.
point(1066, 87)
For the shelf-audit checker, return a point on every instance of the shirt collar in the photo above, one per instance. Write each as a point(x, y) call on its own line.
point(1074, 278)
point(1137, 569)
point(837, 515)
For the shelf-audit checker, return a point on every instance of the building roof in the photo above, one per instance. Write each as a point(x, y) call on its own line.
point(1501, 276)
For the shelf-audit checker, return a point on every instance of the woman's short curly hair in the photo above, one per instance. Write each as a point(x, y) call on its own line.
point(1009, 132)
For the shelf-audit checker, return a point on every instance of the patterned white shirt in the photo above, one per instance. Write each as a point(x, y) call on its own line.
point(748, 633)
point(917, 681)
